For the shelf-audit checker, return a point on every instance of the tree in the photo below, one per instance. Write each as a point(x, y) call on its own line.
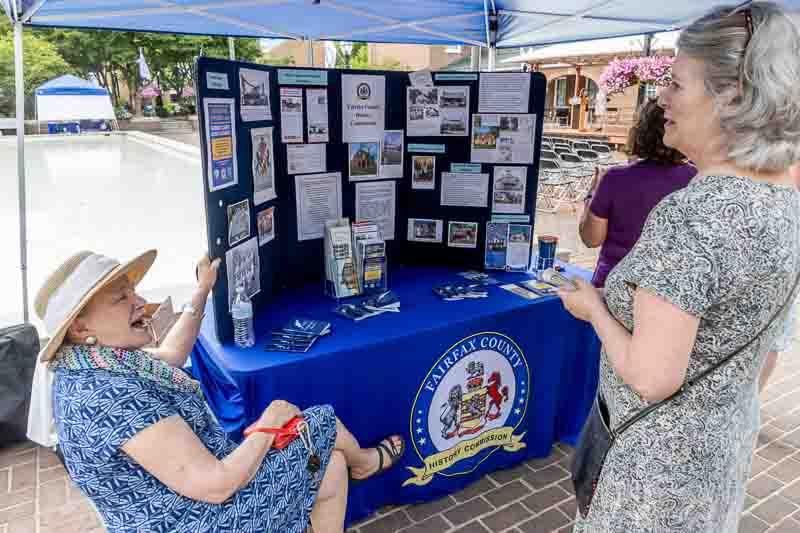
point(41, 61)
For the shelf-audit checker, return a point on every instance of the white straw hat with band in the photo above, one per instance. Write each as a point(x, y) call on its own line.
point(60, 300)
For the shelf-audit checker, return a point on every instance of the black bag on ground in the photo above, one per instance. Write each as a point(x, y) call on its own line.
point(19, 346)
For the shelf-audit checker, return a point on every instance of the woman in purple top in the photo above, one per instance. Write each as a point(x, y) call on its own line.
point(623, 198)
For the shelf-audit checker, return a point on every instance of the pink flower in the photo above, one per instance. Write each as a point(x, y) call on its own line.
point(623, 73)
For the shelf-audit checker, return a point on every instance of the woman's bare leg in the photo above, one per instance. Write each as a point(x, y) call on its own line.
point(327, 515)
point(363, 462)
point(766, 371)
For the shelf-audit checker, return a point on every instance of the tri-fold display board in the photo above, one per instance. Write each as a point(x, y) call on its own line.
point(430, 157)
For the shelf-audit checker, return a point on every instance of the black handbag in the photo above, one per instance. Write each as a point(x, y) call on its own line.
point(597, 437)
point(19, 346)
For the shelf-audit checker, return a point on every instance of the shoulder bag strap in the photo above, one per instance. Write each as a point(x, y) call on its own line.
point(702, 375)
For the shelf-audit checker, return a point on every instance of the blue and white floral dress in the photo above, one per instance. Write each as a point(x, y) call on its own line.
point(97, 411)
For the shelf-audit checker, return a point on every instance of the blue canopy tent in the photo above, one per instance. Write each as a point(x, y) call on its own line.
point(72, 99)
point(483, 23)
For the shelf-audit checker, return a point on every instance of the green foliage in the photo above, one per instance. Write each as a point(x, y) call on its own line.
point(359, 59)
point(42, 62)
point(286, 61)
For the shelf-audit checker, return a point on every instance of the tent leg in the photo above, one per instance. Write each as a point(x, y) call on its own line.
point(492, 58)
point(310, 52)
point(23, 229)
point(231, 49)
point(475, 59)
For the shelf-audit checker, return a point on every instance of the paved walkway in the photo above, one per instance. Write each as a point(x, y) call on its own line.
point(37, 497)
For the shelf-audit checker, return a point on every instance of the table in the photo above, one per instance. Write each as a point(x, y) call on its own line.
point(480, 384)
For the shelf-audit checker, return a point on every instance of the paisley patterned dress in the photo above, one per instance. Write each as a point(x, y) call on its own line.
point(97, 411)
point(727, 250)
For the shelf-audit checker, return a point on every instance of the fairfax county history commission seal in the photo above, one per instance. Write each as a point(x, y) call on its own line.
point(469, 406)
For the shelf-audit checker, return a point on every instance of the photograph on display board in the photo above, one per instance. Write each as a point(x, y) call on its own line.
point(423, 172)
point(364, 160)
point(485, 131)
point(509, 189)
point(462, 234)
point(244, 269)
point(392, 154)
point(265, 221)
point(254, 95)
point(238, 222)
point(263, 165)
point(424, 230)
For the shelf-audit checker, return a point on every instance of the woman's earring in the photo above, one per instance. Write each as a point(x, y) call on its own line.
point(91, 340)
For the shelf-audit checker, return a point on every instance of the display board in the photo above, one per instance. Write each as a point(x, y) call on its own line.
point(272, 136)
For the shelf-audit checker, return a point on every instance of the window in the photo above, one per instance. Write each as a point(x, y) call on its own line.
point(650, 91)
point(561, 92)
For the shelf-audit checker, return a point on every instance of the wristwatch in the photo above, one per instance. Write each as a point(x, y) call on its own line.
point(189, 308)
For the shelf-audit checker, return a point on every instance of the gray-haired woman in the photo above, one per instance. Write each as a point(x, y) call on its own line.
point(716, 261)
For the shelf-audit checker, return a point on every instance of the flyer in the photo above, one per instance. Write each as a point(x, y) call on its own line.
point(375, 202)
point(503, 138)
point(266, 225)
point(424, 230)
point(504, 92)
point(462, 234)
point(291, 115)
point(364, 160)
point(363, 108)
point(519, 247)
point(221, 143)
point(437, 111)
point(305, 158)
point(238, 222)
point(392, 154)
point(317, 103)
point(318, 198)
point(496, 246)
point(421, 78)
point(217, 81)
point(508, 195)
point(254, 95)
point(465, 189)
point(244, 269)
point(263, 165)
point(423, 172)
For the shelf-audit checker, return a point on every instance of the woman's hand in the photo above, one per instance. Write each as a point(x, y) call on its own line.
point(584, 302)
point(207, 273)
point(278, 414)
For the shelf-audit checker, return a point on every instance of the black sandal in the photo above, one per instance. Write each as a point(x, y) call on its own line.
point(394, 457)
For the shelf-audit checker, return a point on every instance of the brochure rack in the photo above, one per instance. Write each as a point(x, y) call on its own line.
point(287, 262)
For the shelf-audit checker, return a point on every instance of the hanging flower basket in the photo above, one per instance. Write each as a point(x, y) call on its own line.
point(627, 72)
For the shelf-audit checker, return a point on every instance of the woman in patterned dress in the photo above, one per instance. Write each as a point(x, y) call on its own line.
point(715, 262)
point(138, 438)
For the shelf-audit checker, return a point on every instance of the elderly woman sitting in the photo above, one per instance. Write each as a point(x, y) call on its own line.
point(138, 438)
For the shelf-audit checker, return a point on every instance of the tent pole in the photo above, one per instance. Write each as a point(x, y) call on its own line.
point(231, 49)
point(475, 59)
point(492, 52)
point(23, 229)
point(310, 52)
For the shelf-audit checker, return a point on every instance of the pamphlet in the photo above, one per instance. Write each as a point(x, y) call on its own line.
point(508, 246)
point(291, 115)
point(519, 291)
point(317, 104)
point(503, 139)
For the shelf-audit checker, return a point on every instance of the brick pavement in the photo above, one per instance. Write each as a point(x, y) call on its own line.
point(37, 497)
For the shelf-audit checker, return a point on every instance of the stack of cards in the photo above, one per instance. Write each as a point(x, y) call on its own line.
point(298, 335)
point(456, 292)
point(385, 302)
point(541, 288)
point(483, 278)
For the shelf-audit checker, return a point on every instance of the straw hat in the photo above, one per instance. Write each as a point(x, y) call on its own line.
point(67, 290)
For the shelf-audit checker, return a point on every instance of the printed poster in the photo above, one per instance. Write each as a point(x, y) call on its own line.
point(317, 104)
point(254, 95)
point(221, 143)
point(392, 154)
point(504, 92)
point(437, 111)
point(291, 115)
point(263, 165)
point(375, 202)
point(503, 138)
point(318, 199)
point(363, 108)
point(508, 195)
point(244, 269)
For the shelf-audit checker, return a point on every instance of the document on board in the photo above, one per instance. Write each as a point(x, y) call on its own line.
point(376, 201)
point(318, 199)
point(291, 115)
point(503, 138)
point(504, 92)
point(363, 108)
point(421, 78)
point(317, 102)
point(254, 95)
point(305, 158)
point(465, 189)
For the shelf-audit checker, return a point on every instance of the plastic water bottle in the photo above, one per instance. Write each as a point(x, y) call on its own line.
point(242, 311)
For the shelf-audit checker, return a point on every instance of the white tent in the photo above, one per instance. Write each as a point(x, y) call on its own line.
point(72, 98)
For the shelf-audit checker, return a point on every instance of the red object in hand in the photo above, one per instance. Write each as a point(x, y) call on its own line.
point(283, 436)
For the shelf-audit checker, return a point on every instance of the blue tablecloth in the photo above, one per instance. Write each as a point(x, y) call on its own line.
point(473, 386)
